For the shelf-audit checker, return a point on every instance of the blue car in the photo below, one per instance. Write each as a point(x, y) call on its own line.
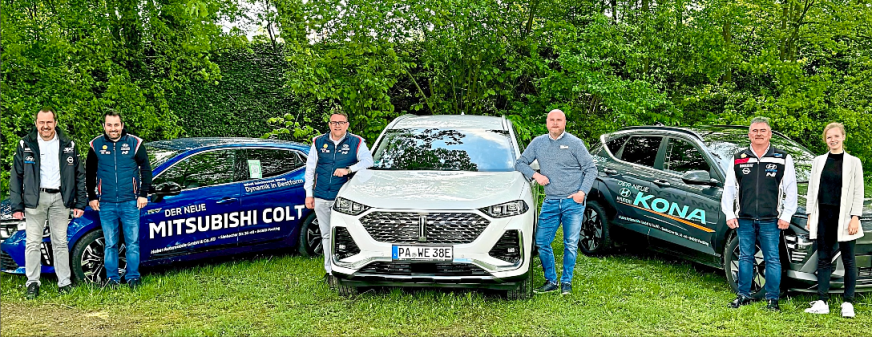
point(211, 197)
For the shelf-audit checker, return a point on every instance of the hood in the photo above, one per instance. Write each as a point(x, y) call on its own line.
point(433, 189)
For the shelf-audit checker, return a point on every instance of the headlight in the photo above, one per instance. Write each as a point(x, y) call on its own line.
point(346, 206)
point(507, 209)
point(9, 227)
point(798, 246)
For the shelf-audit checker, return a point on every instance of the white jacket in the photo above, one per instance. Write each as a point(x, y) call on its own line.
point(851, 202)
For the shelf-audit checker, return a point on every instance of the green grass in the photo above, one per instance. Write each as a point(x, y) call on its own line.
point(624, 294)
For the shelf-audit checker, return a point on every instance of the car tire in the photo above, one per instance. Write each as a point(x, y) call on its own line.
point(731, 268)
point(524, 290)
point(595, 234)
point(309, 243)
point(88, 260)
point(343, 289)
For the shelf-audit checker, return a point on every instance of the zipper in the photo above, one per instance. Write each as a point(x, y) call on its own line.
point(115, 159)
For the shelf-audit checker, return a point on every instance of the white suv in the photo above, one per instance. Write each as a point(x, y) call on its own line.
point(442, 206)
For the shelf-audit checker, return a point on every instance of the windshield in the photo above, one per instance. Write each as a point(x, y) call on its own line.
point(157, 155)
point(445, 150)
point(726, 142)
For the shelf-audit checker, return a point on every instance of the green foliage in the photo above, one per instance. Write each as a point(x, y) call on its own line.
point(83, 57)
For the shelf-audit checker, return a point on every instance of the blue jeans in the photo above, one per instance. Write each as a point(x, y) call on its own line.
point(554, 212)
point(111, 213)
point(768, 234)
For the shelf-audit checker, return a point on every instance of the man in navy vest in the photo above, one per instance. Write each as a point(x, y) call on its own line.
point(759, 200)
point(118, 176)
point(332, 158)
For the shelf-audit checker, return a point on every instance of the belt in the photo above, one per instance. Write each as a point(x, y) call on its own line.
point(50, 190)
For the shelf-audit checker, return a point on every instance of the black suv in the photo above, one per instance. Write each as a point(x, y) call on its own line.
point(661, 187)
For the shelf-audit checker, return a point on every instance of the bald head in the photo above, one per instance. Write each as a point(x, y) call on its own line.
point(556, 123)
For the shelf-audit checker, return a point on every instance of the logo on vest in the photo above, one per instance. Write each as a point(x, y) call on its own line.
point(746, 170)
point(29, 159)
point(70, 160)
point(68, 149)
point(125, 146)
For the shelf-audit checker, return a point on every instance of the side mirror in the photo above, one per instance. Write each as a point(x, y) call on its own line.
point(697, 178)
point(168, 188)
point(535, 165)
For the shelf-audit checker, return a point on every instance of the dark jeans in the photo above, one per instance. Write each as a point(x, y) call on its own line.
point(768, 234)
point(826, 246)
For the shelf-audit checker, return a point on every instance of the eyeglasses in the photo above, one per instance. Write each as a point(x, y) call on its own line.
point(338, 123)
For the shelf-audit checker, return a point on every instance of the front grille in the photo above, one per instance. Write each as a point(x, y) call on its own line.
point(405, 227)
point(423, 269)
point(508, 248)
point(6, 262)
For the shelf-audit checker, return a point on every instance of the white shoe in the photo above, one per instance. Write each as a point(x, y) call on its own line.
point(847, 310)
point(822, 308)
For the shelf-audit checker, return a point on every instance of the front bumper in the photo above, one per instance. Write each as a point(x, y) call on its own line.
point(801, 268)
point(471, 267)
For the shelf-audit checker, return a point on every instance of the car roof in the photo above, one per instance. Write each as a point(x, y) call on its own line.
point(699, 132)
point(449, 122)
point(187, 144)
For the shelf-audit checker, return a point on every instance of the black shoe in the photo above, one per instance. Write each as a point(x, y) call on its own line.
point(546, 288)
point(329, 281)
point(32, 291)
point(111, 284)
point(772, 305)
point(740, 301)
point(65, 289)
point(565, 288)
point(134, 283)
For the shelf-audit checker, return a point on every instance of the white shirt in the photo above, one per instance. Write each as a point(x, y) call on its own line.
point(364, 160)
point(49, 163)
point(788, 189)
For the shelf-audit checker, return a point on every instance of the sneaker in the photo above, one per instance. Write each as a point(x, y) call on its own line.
point(134, 283)
point(32, 291)
point(819, 307)
point(546, 288)
point(65, 289)
point(111, 284)
point(772, 305)
point(847, 310)
point(740, 301)
point(565, 288)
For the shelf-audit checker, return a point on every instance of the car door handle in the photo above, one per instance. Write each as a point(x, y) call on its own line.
point(226, 200)
point(610, 171)
point(661, 182)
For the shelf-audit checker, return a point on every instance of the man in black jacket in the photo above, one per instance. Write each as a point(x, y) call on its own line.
point(46, 181)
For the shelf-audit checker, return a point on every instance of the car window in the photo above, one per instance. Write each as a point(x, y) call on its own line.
point(682, 156)
point(641, 150)
point(615, 144)
point(158, 155)
point(201, 170)
point(265, 163)
point(723, 144)
point(445, 150)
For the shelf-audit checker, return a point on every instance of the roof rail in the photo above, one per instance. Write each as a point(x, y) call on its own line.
point(664, 128)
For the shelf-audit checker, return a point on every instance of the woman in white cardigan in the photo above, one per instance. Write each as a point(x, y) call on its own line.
point(834, 205)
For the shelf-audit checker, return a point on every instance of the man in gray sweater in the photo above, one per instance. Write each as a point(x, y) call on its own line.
point(567, 171)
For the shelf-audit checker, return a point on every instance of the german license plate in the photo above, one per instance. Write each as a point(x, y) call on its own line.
point(422, 253)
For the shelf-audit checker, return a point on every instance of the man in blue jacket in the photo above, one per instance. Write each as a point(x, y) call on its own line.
point(567, 171)
point(118, 176)
point(332, 159)
point(47, 180)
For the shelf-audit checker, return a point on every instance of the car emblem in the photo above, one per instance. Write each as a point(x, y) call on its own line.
point(625, 192)
point(771, 167)
point(422, 233)
point(746, 170)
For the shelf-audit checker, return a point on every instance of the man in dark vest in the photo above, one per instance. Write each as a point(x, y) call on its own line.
point(47, 180)
point(332, 158)
point(759, 199)
point(118, 178)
